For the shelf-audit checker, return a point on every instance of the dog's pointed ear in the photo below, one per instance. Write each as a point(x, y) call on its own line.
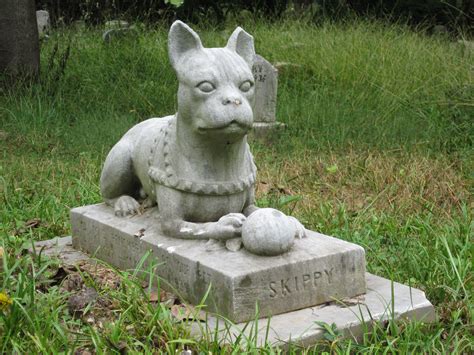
point(181, 39)
point(242, 43)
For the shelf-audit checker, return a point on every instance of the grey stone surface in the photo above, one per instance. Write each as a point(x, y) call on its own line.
point(116, 34)
point(19, 45)
point(79, 25)
point(196, 165)
point(440, 30)
point(265, 131)
point(352, 317)
point(42, 20)
point(267, 232)
point(114, 24)
point(283, 66)
point(265, 126)
point(316, 270)
point(61, 248)
point(234, 244)
point(266, 86)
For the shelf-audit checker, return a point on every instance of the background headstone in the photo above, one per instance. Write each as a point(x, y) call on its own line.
point(79, 25)
point(42, 20)
point(116, 34)
point(266, 86)
point(117, 30)
point(114, 24)
point(19, 44)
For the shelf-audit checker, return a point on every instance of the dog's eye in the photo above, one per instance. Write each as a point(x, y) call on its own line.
point(246, 86)
point(206, 86)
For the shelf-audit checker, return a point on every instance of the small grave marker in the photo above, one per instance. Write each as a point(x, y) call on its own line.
point(42, 20)
point(266, 88)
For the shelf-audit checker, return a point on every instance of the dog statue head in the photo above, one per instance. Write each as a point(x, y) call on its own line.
point(216, 85)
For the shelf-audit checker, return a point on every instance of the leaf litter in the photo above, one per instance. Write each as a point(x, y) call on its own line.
point(89, 286)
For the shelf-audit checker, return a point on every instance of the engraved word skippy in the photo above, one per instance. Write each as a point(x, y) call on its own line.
point(300, 283)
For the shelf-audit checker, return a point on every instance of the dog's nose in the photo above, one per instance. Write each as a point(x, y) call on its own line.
point(234, 101)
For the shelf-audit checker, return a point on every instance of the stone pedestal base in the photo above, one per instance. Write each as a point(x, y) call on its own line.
point(316, 270)
point(265, 130)
point(353, 317)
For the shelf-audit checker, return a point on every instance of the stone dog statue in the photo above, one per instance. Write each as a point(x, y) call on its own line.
point(196, 165)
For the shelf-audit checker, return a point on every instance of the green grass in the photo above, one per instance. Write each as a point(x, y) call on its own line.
point(378, 151)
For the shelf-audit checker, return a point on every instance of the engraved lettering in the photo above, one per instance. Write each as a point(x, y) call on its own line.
point(306, 279)
point(299, 283)
point(273, 291)
point(257, 69)
point(329, 274)
point(284, 287)
point(316, 275)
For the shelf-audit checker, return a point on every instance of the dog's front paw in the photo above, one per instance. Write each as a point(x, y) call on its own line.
point(126, 205)
point(229, 226)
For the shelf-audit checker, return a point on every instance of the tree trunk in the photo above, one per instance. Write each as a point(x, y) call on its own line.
point(19, 43)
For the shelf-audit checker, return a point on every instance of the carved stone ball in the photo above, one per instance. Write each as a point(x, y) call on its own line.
point(268, 232)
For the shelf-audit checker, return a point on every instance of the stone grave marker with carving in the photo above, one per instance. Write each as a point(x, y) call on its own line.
point(182, 188)
point(266, 89)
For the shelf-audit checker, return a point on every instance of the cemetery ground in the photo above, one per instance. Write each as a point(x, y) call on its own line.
point(377, 151)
